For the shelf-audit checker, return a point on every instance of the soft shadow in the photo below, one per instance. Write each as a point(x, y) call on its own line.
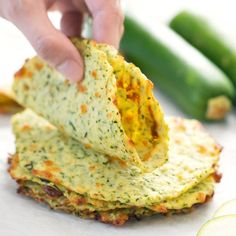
point(5, 121)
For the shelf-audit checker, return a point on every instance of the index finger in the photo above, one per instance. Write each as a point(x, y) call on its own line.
point(107, 21)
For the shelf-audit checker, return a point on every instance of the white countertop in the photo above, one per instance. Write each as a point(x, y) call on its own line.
point(22, 216)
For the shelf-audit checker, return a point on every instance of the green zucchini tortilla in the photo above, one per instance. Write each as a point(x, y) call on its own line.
point(114, 101)
point(53, 168)
point(44, 152)
point(102, 149)
point(59, 198)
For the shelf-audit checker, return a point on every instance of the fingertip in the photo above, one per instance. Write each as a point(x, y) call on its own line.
point(71, 23)
point(52, 45)
point(108, 27)
point(71, 69)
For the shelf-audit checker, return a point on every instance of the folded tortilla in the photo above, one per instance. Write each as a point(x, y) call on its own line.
point(53, 168)
point(112, 111)
point(7, 103)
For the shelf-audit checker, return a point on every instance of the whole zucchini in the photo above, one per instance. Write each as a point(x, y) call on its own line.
point(191, 80)
point(206, 38)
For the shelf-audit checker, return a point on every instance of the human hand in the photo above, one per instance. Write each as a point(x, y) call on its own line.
point(31, 18)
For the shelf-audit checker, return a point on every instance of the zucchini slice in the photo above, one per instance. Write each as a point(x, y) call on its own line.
point(219, 226)
point(227, 208)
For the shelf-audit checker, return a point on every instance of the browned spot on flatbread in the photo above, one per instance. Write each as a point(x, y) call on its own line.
point(13, 161)
point(201, 197)
point(92, 167)
point(26, 128)
point(109, 115)
point(20, 73)
point(33, 147)
point(83, 108)
point(81, 201)
point(42, 173)
point(160, 208)
point(98, 185)
point(48, 163)
point(94, 74)
point(25, 87)
point(81, 88)
point(120, 219)
point(52, 191)
point(88, 145)
point(201, 149)
point(118, 160)
point(38, 66)
point(217, 176)
point(154, 127)
point(97, 94)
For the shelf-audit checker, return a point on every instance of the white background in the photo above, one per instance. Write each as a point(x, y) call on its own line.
point(21, 216)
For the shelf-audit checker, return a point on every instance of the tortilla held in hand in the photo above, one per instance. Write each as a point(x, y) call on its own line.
point(101, 148)
point(112, 111)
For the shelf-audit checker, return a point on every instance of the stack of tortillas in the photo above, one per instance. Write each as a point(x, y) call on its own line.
point(101, 148)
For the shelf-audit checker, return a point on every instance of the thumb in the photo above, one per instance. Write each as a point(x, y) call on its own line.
point(49, 43)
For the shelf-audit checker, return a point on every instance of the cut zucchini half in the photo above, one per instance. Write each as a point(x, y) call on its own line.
point(228, 208)
point(219, 226)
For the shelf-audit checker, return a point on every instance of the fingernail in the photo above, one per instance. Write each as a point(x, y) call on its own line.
point(71, 70)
